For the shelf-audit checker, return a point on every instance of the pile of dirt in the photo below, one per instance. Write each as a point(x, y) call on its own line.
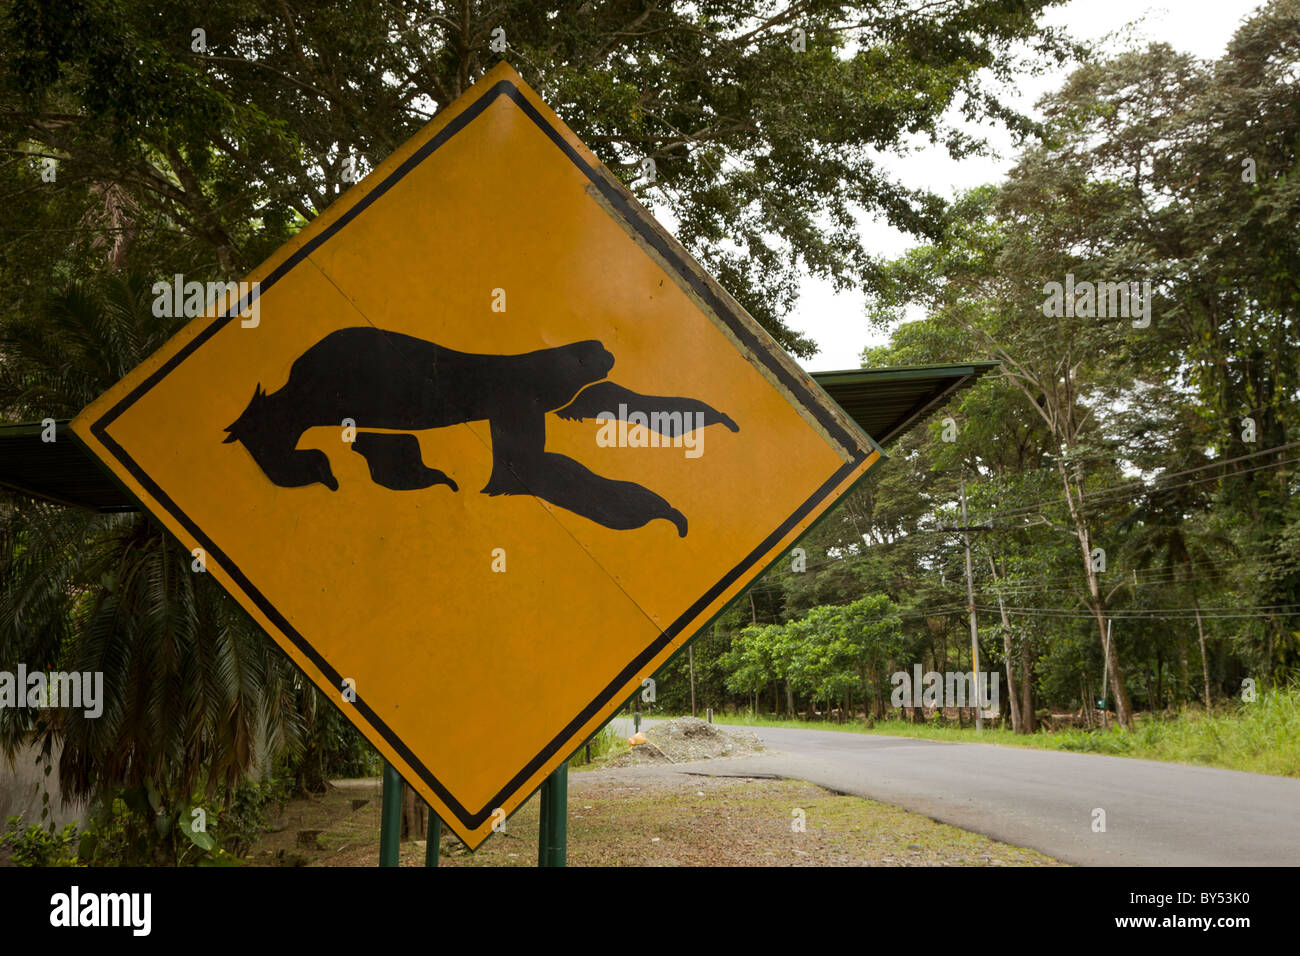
point(686, 739)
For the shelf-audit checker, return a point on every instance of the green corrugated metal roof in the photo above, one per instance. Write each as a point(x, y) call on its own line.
point(62, 471)
point(884, 402)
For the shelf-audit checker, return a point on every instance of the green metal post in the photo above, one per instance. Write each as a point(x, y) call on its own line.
point(544, 822)
point(390, 820)
point(435, 838)
point(543, 818)
point(552, 842)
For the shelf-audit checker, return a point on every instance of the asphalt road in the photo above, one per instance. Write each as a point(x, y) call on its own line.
point(1157, 814)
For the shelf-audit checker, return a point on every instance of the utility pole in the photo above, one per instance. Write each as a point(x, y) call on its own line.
point(970, 604)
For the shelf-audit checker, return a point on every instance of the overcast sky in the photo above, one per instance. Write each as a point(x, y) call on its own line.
point(1201, 27)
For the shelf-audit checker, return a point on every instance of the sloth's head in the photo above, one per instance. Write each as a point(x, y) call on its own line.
point(271, 446)
point(556, 374)
point(253, 424)
point(592, 358)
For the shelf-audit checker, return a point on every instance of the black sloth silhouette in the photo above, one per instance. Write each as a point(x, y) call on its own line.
point(387, 380)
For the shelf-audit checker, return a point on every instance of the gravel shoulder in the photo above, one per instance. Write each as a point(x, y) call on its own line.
point(665, 811)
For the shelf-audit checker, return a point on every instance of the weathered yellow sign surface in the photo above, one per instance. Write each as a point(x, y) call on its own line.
point(488, 450)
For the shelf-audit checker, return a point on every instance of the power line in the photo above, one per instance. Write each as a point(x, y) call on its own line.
point(1031, 588)
point(1062, 582)
point(1139, 614)
point(1103, 494)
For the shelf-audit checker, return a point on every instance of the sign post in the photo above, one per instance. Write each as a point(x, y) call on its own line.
point(552, 843)
point(390, 818)
point(433, 843)
point(483, 429)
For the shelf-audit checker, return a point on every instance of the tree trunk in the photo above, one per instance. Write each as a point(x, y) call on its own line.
point(1006, 654)
point(1027, 721)
point(1123, 708)
point(1205, 655)
point(1160, 683)
point(690, 656)
point(1184, 668)
point(414, 815)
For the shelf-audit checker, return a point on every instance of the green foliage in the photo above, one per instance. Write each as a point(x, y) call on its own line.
point(673, 680)
point(243, 817)
point(37, 845)
point(134, 827)
point(1132, 440)
point(345, 751)
point(190, 682)
point(203, 161)
point(331, 747)
point(601, 745)
point(831, 654)
point(1262, 736)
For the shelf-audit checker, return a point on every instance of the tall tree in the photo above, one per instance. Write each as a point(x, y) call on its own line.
point(227, 125)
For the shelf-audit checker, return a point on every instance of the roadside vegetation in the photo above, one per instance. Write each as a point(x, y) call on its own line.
point(1258, 737)
point(1118, 499)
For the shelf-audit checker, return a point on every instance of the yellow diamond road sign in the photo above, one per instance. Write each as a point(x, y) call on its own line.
point(489, 449)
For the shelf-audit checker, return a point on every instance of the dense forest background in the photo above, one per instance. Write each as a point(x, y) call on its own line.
point(1136, 480)
point(1139, 480)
